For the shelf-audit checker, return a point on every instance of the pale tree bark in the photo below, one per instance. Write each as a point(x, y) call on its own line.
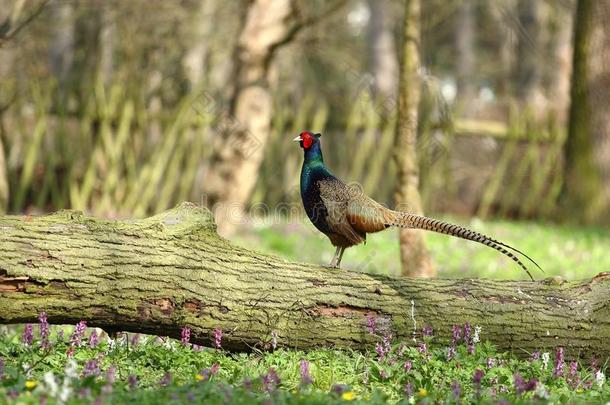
point(415, 259)
point(586, 149)
point(160, 274)
point(107, 45)
point(13, 19)
point(530, 60)
point(383, 60)
point(61, 49)
point(239, 147)
point(561, 67)
point(195, 58)
point(465, 58)
point(501, 11)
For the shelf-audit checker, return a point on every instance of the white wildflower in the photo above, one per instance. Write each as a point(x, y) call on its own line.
point(411, 400)
point(168, 344)
point(600, 378)
point(476, 338)
point(64, 394)
point(111, 344)
point(541, 391)
point(545, 359)
point(51, 384)
point(70, 369)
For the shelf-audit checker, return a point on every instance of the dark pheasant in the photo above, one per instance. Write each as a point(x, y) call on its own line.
point(345, 214)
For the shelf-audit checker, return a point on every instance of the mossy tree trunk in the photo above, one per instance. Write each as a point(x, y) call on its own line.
point(173, 270)
point(587, 163)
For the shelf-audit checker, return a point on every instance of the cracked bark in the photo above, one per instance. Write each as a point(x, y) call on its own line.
point(159, 274)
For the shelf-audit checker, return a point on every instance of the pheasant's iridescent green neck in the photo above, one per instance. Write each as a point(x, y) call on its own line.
point(314, 154)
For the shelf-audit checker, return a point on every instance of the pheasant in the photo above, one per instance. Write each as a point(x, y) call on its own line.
point(345, 214)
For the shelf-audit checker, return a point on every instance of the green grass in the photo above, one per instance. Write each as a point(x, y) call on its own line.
point(166, 371)
point(561, 250)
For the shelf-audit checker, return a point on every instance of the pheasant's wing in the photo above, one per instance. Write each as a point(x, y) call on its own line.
point(335, 197)
point(365, 214)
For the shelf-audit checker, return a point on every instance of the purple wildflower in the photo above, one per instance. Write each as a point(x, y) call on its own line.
point(77, 336)
point(491, 362)
point(456, 389)
point(451, 352)
point(132, 380)
point(91, 369)
point(422, 348)
point(409, 389)
point(305, 375)
point(339, 388)
point(522, 386)
point(476, 381)
point(274, 339)
point(408, 365)
point(28, 336)
point(467, 332)
point(558, 371)
point(94, 340)
point(60, 336)
point(573, 377)
point(111, 375)
point(427, 331)
point(135, 339)
point(218, 338)
point(44, 330)
point(271, 380)
point(214, 369)
point(165, 380)
point(535, 356)
point(185, 336)
point(456, 335)
point(371, 323)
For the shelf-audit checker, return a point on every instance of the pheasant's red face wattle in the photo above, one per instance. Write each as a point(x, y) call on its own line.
point(307, 139)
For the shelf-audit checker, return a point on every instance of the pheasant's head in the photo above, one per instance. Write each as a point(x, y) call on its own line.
point(306, 139)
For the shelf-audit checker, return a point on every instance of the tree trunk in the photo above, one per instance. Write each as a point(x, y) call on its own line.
point(194, 60)
point(465, 58)
point(530, 57)
point(415, 259)
point(238, 151)
point(383, 62)
point(589, 124)
point(61, 52)
point(4, 185)
point(162, 273)
point(598, 87)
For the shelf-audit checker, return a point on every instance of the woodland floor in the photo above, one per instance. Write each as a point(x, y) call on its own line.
point(81, 368)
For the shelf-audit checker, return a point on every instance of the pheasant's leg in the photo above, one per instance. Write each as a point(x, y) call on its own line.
point(336, 258)
point(340, 257)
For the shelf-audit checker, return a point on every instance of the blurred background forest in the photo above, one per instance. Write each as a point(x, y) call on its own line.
point(125, 108)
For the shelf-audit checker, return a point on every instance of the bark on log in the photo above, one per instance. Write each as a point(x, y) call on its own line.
point(162, 273)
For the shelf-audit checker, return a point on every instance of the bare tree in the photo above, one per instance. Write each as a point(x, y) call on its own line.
point(529, 61)
point(383, 60)
point(238, 149)
point(12, 21)
point(465, 57)
point(415, 259)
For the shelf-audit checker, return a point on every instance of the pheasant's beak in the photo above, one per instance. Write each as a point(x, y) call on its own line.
point(297, 139)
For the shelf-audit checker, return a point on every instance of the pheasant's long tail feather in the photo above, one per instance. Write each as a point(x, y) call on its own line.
point(407, 220)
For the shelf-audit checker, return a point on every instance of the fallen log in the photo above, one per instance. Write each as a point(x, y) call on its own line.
point(172, 270)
